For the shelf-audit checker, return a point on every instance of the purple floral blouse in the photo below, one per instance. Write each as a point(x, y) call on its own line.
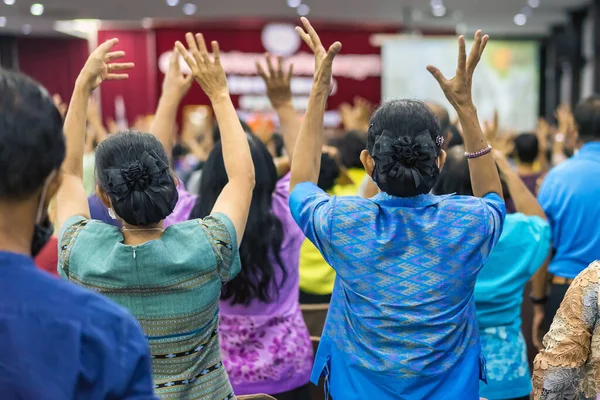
point(266, 348)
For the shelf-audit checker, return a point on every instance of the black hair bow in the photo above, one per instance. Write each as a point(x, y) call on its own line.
point(404, 159)
point(141, 175)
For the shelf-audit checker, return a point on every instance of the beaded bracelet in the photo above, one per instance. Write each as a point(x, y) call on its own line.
point(479, 153)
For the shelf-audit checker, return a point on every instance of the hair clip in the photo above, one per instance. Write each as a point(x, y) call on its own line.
point(439, 140)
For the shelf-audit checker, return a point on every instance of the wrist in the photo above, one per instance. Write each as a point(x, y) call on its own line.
point(284, 105)
point(219, 96)
point(466, 110)
point(172, 95)
point(82, 85)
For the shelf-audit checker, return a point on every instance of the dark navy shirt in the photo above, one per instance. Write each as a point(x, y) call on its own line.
point(60, 341)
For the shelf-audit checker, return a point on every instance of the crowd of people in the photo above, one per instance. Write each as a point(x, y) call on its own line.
point(423, 258)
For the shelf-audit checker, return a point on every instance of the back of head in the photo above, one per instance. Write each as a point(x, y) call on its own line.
point(527, 148)
point(404, 141)
point(455, 177)
point(32, 144)
point(263, 236)
point(329, 172)
point(350, 146)
point(587, 118)
point(133, 169)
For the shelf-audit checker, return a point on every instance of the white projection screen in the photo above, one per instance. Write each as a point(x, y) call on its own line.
point(507, 78)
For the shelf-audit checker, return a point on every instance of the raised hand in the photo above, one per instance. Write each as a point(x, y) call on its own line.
point(175, 83)
point(458, 89)
point(278, 82)
point(100, 66)
point(323, 59)
point(356, 117)
point(207, 71)
point(491, 128)
point(60, 104)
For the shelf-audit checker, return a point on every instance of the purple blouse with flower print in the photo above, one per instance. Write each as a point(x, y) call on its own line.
point(266, 347)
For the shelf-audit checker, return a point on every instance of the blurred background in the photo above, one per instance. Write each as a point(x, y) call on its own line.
point(542, 53)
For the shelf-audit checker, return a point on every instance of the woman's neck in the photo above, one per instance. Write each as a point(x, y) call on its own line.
point(136, 235)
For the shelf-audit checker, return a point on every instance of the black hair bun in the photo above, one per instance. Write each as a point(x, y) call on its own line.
point(405, 166)
point(143, 192)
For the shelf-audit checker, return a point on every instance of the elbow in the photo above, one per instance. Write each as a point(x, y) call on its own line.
point(246, 180)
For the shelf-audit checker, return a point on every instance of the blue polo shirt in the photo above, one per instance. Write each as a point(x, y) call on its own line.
point(570, 197)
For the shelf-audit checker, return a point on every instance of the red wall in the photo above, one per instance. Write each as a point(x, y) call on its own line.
point(144, 47)
point(248, 39)
point(54, 62)
point(140, 90)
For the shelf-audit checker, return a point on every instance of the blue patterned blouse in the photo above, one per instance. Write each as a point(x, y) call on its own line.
point(402, 321)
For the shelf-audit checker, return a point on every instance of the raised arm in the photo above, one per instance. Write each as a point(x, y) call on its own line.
point(71, 199)
point(234, 200)
point(307, 154)
point(279, 92)
point(175, 87)
point(484, 175)
point(525, 201)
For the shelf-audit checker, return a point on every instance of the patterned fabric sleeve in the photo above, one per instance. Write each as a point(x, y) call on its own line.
point(564, 369)
point(220, 231)
point(312, 209)
point(66, 240)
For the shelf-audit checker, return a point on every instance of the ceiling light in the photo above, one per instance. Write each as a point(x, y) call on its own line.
point(9, 2)
point(2, 22)
point(303, 10)
point(533, 3)
point(437, 3)
point(172, 3)
point(37, 9)
point(438, 11)
point(520, 19)
point(26, 29)
point(189, 9)
point(294, 3)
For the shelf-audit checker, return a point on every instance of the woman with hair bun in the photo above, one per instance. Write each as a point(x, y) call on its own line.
point(169, 279)
point(402, 322)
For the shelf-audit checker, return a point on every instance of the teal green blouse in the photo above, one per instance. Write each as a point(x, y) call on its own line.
point(171, 285)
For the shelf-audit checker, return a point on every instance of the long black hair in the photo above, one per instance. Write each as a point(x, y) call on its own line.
point(405, 140)
point(133, 169)
point(264, 232)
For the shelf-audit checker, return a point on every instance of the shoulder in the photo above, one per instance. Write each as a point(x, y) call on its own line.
point(471, 204)
point(591, 273)
point(525, 230)
point(216, 226)
point(559, 172)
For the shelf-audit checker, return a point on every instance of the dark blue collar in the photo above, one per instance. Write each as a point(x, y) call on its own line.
point(8, 259)
point(421, 201)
